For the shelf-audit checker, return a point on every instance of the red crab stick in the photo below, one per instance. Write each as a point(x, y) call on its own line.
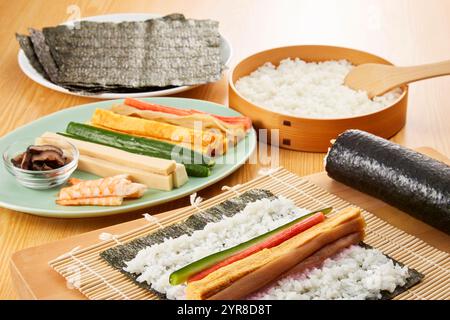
point(270, 242)
point(156, 107)
point(245, 121)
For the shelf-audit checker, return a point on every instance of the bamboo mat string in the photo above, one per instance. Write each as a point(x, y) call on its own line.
point(153, 220)
point(67, 254)
point(105, 236)
point(233, 189)
point(195, 201)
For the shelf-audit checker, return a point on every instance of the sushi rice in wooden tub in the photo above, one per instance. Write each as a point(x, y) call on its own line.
point(314, 134)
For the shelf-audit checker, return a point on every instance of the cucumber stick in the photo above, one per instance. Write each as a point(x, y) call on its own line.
point(183, 274)
point(144, 146)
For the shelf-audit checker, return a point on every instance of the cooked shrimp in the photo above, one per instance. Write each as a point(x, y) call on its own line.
point(104, 201)
point(73, 181)
point(117, 186)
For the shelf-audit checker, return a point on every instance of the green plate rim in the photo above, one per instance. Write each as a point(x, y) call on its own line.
point(105, 211)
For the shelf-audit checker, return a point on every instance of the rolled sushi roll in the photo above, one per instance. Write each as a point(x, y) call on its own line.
point(401, 177)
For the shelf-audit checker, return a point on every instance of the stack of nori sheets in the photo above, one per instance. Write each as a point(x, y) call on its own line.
point(128, 56)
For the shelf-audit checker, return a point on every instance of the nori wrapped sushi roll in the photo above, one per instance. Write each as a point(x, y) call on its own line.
point(408, 180)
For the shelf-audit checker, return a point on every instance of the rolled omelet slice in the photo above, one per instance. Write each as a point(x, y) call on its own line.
point(155, 129)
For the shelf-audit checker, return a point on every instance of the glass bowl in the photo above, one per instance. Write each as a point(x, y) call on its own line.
point(41, 179)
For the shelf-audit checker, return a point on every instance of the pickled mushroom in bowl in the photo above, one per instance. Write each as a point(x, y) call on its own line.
point(40, 158)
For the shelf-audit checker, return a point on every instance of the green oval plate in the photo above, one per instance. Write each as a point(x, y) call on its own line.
point(42, 202)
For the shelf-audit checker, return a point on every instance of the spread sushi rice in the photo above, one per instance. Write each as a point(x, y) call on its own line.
point(157, 262)
point(355, 273)
point(314, 90)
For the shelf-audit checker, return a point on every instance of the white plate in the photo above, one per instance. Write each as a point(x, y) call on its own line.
point(225, 52)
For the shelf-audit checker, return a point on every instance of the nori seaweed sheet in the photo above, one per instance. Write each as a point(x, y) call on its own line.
point(27, 46)
point(117, 255)
point(405, 179)
point(132, 56)
point(414, 278)
point(42, 51)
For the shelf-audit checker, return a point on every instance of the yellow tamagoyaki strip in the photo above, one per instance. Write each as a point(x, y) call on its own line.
point(223, 277)
point(155, 129)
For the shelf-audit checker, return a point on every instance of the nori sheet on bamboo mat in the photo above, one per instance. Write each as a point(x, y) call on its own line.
point(117, 255)
point(129, 56)
point(414, 278)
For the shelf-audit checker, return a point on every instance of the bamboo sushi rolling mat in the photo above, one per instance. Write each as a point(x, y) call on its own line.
point(96, 279)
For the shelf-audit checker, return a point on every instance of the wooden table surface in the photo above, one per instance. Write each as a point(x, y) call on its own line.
point(406, 32)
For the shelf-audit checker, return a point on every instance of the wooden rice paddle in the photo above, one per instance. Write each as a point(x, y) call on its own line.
point(377, 79)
